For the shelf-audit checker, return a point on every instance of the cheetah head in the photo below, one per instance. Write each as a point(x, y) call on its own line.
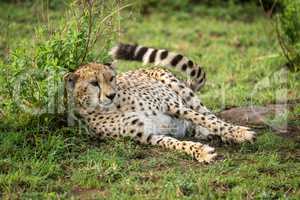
point(92, 85)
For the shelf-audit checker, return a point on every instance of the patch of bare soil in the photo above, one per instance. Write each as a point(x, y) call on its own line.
point(261, 117)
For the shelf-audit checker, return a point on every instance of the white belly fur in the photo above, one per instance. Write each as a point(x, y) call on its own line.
point(162, 124)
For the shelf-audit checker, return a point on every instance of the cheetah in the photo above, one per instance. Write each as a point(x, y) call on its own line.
point(151, 106)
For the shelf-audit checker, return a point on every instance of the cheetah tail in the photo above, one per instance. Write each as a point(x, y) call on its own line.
point(161, 57)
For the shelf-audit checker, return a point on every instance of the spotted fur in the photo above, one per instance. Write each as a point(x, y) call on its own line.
point(150, 106)
point(161, 57)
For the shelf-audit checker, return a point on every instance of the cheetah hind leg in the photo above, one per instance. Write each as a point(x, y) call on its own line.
point(208, 126)
point(215, 126)
point(211, 126)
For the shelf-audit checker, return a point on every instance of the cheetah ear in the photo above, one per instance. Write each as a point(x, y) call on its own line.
point(112, 65)
point(70, 79)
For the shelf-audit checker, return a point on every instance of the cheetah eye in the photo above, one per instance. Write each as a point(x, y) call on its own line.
point(94, 83)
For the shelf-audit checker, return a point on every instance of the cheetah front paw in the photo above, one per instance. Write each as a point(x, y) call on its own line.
point(239, 134)
point(204, 153)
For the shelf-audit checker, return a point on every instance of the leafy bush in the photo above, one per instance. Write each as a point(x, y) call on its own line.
point(31, 81)
point(289, 31)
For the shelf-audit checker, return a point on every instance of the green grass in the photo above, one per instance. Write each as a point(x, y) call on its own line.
point(236, 54)
point(66, 164)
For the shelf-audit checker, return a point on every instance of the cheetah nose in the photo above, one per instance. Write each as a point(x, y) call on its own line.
point(111, 96)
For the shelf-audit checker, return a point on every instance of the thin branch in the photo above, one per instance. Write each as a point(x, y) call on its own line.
point(272, 8)
point(90, 10)
point(270, 11)
point(282, 44)
point(98, 33)
point(119, 20)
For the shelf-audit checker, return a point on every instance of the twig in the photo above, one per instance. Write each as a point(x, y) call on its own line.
point(270, 11)
point(282, 45)
point(90, 10)
point(98, 33)
point(272, 8)
point(119, 21)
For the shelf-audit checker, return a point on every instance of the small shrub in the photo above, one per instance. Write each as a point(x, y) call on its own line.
point(289, 31)
point(31, 80)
